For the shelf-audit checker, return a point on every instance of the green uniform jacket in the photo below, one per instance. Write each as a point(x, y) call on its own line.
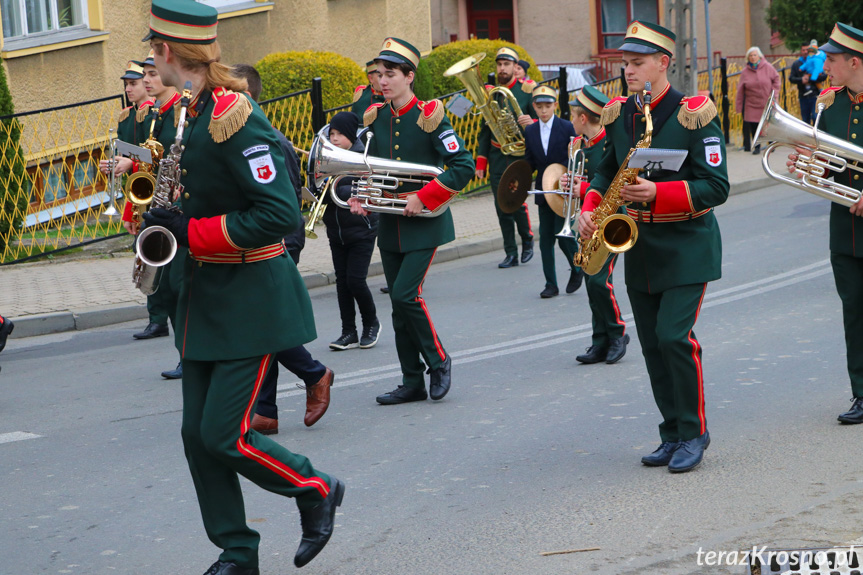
point(240, 198)
point(365, 96)
point(843, 118)
point(593, 150)
point(486, 141)
point(419, 132)
point(678, 236)
point(127, 126)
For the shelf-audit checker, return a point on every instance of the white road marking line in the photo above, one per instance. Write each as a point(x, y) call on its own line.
point(567, 335)
point(17, 436)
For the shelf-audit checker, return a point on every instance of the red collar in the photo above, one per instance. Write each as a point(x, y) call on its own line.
point(855, 98)
point(594, 140)
point(655, 98)
point(404, 109)
point(513, 83)
point(167, 105)
point(374, 93)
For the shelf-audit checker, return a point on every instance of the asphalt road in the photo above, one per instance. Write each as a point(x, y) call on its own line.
point(530, 452)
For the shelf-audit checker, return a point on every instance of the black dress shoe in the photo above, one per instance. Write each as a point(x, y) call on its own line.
point(508, 262)
point(617, 349)
point(855, 414)
point(689, 454)
point(402, 394)
point(318, 524)
point(176, 373)
point(549, 291)
point(593, 354)
point(662, 455)
point(439, 380)
point(227, 568)
point(5, 329)
point(576, 276)
point(526, 251)
point(152, 330)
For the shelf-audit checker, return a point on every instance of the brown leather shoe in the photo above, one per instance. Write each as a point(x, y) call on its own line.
point(265, 425)
point(318, 399)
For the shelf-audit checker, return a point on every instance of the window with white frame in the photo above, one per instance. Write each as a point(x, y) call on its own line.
point(24, 18)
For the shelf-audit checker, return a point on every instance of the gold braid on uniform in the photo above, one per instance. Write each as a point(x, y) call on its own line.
point(231, 112)
point(177, 107)
point(371, 114)
point(696, 112)
point(358, 93)
point(142, 113)
point(528, 86)
point(611, 112)
point(431, 115)
point(124, 114)
point(826, 97)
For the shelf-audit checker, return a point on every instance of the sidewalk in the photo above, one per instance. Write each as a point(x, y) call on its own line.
point(78, 294)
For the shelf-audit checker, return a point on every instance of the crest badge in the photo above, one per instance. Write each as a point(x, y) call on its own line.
point(263, 169)
point(713, 154)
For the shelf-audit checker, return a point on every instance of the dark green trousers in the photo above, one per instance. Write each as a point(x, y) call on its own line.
point(415, 333)
point(218, 401)
point(607, 321)
point(549, 224)
point(162, 305)
point(664, 322)
point(509, 223)
point(848, 273)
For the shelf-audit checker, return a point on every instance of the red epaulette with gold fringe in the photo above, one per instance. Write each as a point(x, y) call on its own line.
point(528, 86)
point(828, 96)
point(432, 112)
point(124, 114)
point(371, 113)
point(611, 111)
point(358, 93)
point(143, 110)
point(696, 112)
point(230, 113)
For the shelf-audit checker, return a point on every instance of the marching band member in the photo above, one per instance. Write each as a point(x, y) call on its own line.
point(242, 300)
point(679, 245)
point(365, 96)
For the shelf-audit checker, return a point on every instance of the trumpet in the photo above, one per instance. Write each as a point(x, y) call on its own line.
point(572, 198)
point(316, 213)
point(827, 154)
point(111, 210)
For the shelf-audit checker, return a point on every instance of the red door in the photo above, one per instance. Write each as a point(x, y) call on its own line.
point(492, 19)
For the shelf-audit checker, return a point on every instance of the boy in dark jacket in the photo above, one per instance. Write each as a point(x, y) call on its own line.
point(352, 241)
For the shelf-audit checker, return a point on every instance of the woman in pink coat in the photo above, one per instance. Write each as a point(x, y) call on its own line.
point(758, 79)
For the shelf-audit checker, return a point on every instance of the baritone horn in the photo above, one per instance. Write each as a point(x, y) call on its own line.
point(503, 121)
point(827, 154)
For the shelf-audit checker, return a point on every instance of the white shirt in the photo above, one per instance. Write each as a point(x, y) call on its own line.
point(545, 133)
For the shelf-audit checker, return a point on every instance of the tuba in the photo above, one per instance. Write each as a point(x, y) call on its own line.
point(141, 186)
point(503, 122)
point(378, 178)
point(827, 154)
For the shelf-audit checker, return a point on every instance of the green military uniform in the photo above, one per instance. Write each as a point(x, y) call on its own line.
point(127, 122)
point(489, 155)
point(608, 324)
point(843, 117)
point(417, 132)
point(242, 298)
point(365, 96)
point(679, 247)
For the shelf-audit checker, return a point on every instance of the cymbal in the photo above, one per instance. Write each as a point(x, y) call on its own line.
point(513, 187)
point(551, 181)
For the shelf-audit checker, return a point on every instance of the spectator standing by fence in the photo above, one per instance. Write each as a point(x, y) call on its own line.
point(757, 80)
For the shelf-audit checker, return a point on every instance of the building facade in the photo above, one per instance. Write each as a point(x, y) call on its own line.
point(57, 52)
point(568, 31)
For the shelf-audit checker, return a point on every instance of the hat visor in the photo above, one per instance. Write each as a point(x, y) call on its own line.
point(638, 48)
point(830, 48)
point(545, 99)
point(395, 60)
point(506, 57)
point(150, 35)
point(131, 76)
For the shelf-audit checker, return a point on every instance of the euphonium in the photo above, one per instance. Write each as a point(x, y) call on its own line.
point(615, 233)
point(156, 246)
point(828, 154)
point(141, 185)
point(503, 122)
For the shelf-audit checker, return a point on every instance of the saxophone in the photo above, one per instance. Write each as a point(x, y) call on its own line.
point(156, 246)
point(141, 185)
point(615, 233)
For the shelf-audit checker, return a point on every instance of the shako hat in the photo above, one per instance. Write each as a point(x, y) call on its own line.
point(184, 21)
point(134, 71)
point(845, 38)
point(506, 53)
point(648, 38)
point(371, 67)
point(399, 52)
point(591, 99)
point(544, 94)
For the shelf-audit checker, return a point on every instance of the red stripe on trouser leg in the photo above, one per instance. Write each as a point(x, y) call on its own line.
point(696, 358)
point(421, 301)
point(258, 456)
point(610, 288)
point(527, 215)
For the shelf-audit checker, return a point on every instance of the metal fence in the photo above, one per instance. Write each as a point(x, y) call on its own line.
point(67, 195)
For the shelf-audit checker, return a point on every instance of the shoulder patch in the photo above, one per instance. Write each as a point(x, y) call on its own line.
point(828, 96)
point(371, 113)
point(528, 86)
point(432, 112)
point(358, 93)
point(124, 114)
point(230, 113)
point(696, 112)
point(611, 111)
point(143, 111)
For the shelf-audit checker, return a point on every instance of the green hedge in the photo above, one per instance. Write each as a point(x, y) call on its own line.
point(13, 204)
point(286, 72)
point(446, 55)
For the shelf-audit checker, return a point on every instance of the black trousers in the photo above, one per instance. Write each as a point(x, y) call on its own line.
point(299, 362)
point(351, 264)
point(749, 129)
